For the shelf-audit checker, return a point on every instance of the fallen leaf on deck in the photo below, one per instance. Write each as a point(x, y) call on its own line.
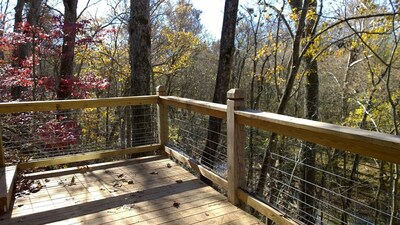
point(127, 206)
point(169, 165)
point(179, 181)
point(116, 184)
point(35, 187)
point(72, 182)
point(176, 204)
point(120, 175)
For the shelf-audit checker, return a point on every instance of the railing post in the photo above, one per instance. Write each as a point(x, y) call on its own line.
point(236, 137)
point(162, 119)
point(2, 160)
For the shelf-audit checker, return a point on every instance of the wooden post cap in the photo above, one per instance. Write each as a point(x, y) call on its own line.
point(160, 88)
point(235, 94)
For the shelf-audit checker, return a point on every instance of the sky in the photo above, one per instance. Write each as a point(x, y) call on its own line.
point(212, 15)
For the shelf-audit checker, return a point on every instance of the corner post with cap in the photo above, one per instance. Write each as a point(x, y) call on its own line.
point(162, 119)
point(236, 139)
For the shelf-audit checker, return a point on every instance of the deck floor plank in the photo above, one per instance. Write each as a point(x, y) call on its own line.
point(104, 196)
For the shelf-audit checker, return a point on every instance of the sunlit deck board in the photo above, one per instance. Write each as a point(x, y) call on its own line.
point(94, 199)
point(7, 176)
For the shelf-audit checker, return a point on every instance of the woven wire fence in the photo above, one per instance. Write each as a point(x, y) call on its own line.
point(38, 135)
point(337, 187)
point(189, 134)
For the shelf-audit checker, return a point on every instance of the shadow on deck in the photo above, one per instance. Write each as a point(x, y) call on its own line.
point(150, 190)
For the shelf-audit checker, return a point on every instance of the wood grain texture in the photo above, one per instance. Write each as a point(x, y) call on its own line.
point(90, 167)
point(12, 107)
point(265, 209)
point(198, 168)
point(153, 197)
point(87, 156)
point(162, 119)
point(202, 107)
point(7, 177)
point(366, 143)
point(235, 146)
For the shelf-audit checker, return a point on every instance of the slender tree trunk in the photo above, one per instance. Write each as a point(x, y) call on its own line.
point(140, 45)
point(293, 69)
point(17, 23)
point(34, 9)
point(346, 81)
point(349, 186)
point(64, 89)
point(377, 201)
point(307, 184)
point(226, 54)
point(19, 53)
point(33, 20)
point(24, 50)
point(301, 9)
point(307, 206)
point(3, 24)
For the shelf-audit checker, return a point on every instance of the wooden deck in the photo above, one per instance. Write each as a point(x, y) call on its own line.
point(150, 190)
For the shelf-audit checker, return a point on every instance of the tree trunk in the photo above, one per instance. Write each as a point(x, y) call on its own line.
point(346, 81)
point(293, 69)
point(307, 212)
point(140, 45)
point(33, 16)
point(24, 50)
point(301, 9)
point(3, 24)
point(226, 54)
point(17, 22)
point(19, 53)
point(64, 89)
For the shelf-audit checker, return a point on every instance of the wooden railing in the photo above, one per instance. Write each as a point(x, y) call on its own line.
point(372, 144)
point(44, 106)
point(379, 146)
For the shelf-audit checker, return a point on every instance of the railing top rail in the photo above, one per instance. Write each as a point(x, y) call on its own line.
point(367, 143)
point(373, 144)
point(13, 107)
point(202, 107)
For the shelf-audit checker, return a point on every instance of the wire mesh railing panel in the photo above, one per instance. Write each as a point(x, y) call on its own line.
point(320, 185)
point(193, 134)
point(38, 135)
point(255, 143)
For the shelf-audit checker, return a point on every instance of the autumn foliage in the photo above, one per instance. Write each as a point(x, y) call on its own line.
point(44, 47)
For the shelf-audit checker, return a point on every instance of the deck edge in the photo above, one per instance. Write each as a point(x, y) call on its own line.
point(7, 178)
